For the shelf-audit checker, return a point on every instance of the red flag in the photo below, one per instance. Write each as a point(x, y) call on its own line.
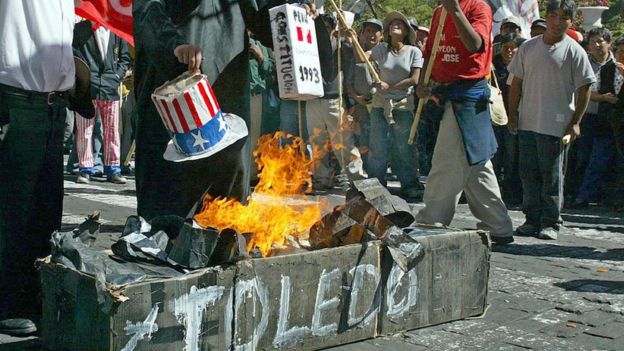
point(115, 15)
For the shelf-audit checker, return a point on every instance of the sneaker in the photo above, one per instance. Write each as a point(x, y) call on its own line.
point(117, 179)
point(17, 327)
point(549, 233)
point(527, 229)
point(502, 240)
point(83, 178)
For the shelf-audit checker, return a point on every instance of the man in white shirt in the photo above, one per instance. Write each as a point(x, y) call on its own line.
point(36, 71)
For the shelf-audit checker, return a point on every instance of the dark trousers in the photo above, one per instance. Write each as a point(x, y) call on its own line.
point(505, 164)
point(541, 172)
point(428, 134)
point(596, 147)
point(31, 195)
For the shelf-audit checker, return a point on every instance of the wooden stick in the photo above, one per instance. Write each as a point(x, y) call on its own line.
point(356, 43)
point(130, 153)
point(426, 78)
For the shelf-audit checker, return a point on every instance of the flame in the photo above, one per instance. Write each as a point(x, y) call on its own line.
point(278, 206)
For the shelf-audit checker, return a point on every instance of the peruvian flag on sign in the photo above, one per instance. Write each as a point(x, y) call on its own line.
point(115, 15)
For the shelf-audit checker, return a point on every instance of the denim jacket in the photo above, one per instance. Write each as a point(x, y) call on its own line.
point(470, 102)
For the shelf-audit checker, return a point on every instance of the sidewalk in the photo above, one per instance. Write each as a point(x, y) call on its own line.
point(546, 295)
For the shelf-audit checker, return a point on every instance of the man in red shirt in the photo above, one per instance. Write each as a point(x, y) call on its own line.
point(466, 142)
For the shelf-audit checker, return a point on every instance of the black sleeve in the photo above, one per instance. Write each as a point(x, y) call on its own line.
point(124, 58)
point(82, 33)
point(155, 30)
point(326, 54)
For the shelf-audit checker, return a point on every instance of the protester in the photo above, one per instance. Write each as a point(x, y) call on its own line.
point(595, 145)
point(191, 35)
point(393, 105)
point(611, 105)
point(553, 76)
point(109, 59)
point(511, 24)
point(360, 85)
point(36, 72)
point(538, 27)
point(466, 142)
point(505, 161)
point(323, 114)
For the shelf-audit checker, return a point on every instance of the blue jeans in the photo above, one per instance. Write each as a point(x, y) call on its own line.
point(386, 138)
point(541, 172)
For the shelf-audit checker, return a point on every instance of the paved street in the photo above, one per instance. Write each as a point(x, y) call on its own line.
point(546, 295)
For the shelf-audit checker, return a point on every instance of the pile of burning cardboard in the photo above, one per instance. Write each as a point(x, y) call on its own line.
point(371, 213)
point(279, 218)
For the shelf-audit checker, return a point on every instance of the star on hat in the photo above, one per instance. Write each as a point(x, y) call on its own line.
point(199, 140)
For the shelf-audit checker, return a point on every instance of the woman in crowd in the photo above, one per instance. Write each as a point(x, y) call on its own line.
point(506, 159)
point(610, 82)
point(391, 118)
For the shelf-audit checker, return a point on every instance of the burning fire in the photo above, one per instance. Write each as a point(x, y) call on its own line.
point(278, 207)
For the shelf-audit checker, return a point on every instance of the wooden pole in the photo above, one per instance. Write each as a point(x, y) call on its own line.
point(355, 42)
point(130, 153)
point(427, 77)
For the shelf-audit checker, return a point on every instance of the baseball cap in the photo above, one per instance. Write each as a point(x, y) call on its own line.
point(513, 20)
point(372, 21)
point(539, 23)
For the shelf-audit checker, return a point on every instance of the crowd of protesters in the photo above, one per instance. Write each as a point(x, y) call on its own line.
point(564, 100)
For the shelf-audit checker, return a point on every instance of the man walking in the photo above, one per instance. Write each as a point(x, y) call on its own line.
point(466, 142)
point(552, 77)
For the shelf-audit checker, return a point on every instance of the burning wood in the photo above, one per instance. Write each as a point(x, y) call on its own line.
point(278, 206)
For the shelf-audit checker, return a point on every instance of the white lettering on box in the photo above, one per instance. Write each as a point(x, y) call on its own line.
point(141, 329)
point(255, 290)
point(189, 309)
point(398, 309)
point(358, 281)
point(285, 336)
point(321, 304)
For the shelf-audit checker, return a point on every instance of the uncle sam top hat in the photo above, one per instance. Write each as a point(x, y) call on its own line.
point(191, 114)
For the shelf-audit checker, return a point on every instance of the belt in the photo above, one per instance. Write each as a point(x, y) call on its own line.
point(50, 98)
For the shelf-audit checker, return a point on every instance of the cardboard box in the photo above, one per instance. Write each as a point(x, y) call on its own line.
point(304, 301)
point(449, 283)
point(185, 313)
point(296, 53)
